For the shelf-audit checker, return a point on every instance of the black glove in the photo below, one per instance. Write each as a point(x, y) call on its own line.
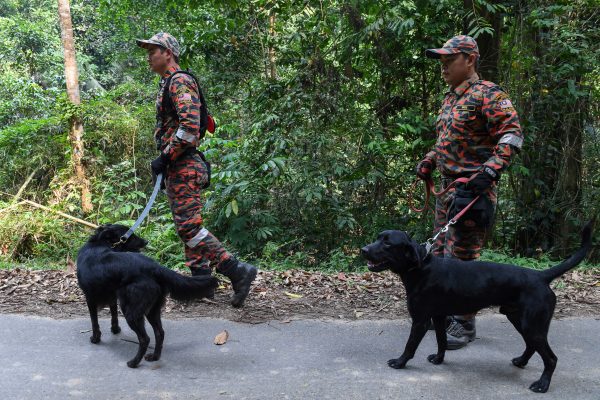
point(159, 164)
point(162, 181)
point(481, 212)
point(424, 169)
point(483, 180)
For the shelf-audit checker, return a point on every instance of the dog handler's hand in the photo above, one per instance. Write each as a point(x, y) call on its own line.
point(162, 181)
point(483, 180)
point(424, 169)
point(159, 164)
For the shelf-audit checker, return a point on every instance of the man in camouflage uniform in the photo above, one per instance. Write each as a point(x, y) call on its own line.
point(177, 135)
point(478, 134)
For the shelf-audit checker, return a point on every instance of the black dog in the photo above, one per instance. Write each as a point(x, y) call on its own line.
point(108, 269)
point(437, 287)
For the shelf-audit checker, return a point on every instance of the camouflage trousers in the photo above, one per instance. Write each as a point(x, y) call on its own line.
point(184, 181)
point(464, 240)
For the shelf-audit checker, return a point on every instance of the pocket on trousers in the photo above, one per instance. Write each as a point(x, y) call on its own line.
point(202, 171)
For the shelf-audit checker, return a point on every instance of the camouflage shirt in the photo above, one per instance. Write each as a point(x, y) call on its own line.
point(175, 134)
point(477, 125)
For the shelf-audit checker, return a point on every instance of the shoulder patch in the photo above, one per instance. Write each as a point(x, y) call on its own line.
point(505, 104)
point(184, 98)
point(182, 89)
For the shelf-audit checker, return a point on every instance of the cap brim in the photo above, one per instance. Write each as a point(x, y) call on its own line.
point(437, 53)
point(146, 44)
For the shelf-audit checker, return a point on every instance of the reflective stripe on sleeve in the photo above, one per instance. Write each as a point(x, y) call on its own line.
point(193, 242)
point(512, 139)
point(185, 136)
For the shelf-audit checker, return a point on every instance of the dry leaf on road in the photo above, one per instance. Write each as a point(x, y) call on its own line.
point(221, 338)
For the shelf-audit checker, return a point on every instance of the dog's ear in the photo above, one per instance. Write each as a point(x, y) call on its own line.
point(96, 235)
point(413, 254)
point(105, 233)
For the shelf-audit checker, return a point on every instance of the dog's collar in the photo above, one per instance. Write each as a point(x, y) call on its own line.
point(121, 241)
point(424, 260)
point(427, 257)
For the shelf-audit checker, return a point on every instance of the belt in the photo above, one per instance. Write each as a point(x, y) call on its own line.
point(448, 179)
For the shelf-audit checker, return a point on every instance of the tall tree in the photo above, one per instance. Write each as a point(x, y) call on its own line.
point(76, 126)
point(485, 21)
point(556, 61)
point(272, 64)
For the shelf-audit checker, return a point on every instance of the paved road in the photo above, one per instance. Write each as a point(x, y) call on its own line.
point(53, 359)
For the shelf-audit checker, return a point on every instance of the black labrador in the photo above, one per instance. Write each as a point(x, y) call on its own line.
point(108, 269)
point(437, 287)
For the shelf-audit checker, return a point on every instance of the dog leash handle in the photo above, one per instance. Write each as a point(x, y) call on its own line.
point(144, 213)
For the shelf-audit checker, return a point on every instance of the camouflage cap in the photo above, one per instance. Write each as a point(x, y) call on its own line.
point(458, 44)
point(161, 39)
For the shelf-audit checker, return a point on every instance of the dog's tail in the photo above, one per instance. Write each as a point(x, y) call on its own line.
point(586, 244)
point(183, 287)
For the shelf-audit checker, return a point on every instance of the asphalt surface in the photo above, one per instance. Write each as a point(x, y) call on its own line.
point(43, 358)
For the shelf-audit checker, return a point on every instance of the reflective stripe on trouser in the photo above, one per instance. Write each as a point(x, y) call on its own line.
point(463, 241)
point(185, 178)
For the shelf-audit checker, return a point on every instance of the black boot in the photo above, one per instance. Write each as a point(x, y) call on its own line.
point(241, 275)
point(460, 332)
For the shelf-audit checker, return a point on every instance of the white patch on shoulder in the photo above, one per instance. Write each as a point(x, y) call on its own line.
point(505, 104)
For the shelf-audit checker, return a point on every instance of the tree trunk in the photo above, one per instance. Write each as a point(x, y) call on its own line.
point(489, 45)
point(568, 188)
point(551, 196)
point(272, 64)
point(76, 127)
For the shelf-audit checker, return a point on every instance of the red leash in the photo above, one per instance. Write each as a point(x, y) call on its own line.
point(429, 189)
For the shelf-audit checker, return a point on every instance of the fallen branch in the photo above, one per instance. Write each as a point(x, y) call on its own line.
point(62, 214)
point(12, 206)
point(24, 186)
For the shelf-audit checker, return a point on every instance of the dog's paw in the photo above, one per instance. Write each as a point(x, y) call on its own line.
point(540, 386)
point(397, 363)
point(115, 329)
point(435, 359)
point(151, 357)
point(95, 338)
point(133, 364)
point(519, 362)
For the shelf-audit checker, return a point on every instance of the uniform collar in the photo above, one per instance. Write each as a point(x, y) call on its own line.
point(170, 71)
point(462, 88)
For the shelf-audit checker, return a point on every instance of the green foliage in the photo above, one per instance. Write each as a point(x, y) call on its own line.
point(119, 199)
point(323, 113)
point(27, 234)
point(551, 76)
point(31, 146)
point(541, 263)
